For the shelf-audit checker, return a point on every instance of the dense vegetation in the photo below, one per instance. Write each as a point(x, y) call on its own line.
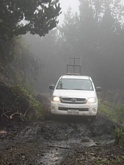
point(18, 104)
point(96, 34)
point(114, 112)
point(20, 17)
point(18, 67)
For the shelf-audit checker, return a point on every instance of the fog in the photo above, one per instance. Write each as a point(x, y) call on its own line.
point(95, 33)
point(73, 4)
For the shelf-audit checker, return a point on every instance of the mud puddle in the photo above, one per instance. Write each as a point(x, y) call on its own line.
point(54, 156)
point(57, 150)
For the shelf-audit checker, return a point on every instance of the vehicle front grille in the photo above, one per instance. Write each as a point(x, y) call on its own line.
point(66, 109)
point(73, 100)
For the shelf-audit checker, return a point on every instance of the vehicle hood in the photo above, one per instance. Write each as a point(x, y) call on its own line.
point(74, 93)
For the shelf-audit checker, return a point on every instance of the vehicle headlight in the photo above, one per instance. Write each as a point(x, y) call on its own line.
point(56, 99)
point(92, 100)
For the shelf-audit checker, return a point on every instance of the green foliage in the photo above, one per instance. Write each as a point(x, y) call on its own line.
point(119, 136)
point(28, 107)
point(114, 111)
point(22, 16)
point(106, 109)
point(116, 114)
point(22, 67)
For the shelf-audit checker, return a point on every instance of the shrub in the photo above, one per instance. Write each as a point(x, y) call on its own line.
point(18, 103)
point(114, 111)
point(119, 136)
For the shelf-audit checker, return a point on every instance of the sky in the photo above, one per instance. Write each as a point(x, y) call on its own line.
point(74, 4)
point(65, 4)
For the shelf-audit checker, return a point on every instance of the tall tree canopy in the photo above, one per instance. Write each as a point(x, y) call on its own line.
point(97, 35)
point(21, 16)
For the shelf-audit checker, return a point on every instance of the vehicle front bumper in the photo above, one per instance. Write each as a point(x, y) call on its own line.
point(74, 109)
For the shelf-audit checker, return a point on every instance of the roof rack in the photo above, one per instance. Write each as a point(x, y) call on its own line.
point(73, 66)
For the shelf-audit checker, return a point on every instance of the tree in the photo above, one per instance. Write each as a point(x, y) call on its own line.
point(97, 36)
point(20, 66)
point(69, 35)
point(18, 17)
point(46, 50)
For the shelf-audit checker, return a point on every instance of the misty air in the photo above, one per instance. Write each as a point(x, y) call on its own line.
point(62, 82)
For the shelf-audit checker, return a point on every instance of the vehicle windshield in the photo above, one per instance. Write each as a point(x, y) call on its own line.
point(75, 84)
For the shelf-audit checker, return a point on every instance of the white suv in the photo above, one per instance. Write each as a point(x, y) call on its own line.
point(74, 95)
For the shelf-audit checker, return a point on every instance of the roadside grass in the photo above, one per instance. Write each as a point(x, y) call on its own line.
point(115, 112)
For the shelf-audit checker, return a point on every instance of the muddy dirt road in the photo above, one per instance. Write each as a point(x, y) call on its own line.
point(61, 141)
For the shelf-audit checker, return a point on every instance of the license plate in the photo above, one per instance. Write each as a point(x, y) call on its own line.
point(73, 112)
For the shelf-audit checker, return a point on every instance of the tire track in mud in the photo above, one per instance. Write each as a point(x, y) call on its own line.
point(53, 140)
point(58, 150)
point(70, 135)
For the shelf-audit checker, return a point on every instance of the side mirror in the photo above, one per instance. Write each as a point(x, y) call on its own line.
point(98, 89)
point(51, 87)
